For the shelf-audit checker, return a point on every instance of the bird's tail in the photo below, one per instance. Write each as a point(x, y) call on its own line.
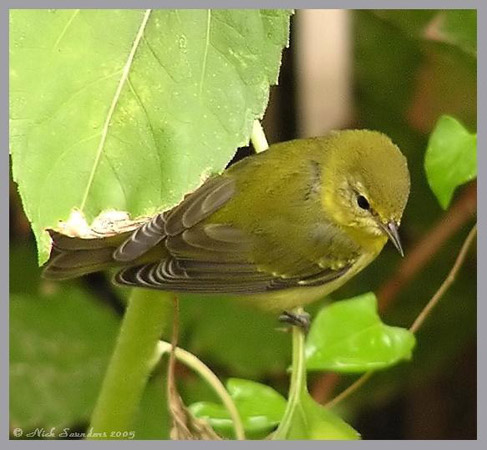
point(74, 256)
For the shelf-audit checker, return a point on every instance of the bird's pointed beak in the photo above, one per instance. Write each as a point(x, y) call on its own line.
point(390, 229)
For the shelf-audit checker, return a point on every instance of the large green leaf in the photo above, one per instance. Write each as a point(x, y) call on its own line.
point(130, 109)
point(451, 158)
point(348, 336)
point(260, 407)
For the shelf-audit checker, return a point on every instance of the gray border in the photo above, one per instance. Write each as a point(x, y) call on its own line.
point(357, 4)
point(4, 180)
point(481, 241)
point(307, 4)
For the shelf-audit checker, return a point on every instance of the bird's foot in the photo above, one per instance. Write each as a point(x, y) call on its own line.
point(302, 320)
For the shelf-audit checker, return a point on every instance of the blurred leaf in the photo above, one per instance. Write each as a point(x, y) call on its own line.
point(445, 84)
point(315, 422)
point(459, 27)
point(60, 343)
point(236, 346)
point(408, 74)
point(24, 273)
point(451, 158)
point(383, 86)
point(260, 407)
point(101, 119)
point(348, 336)
point(232, 336)
point(411, 22)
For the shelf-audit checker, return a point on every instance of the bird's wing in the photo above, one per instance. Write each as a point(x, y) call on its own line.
point(217, 258)
point(176, 275)
point(207, 257)
point(194, 208)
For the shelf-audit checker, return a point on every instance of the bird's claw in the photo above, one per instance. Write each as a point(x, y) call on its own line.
point(302, 320)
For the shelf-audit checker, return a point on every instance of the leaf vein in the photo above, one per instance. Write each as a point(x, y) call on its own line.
point(65, 29)
point(73, 95)
point(152, 132)
point(47, 177)
point(156, 57)
point(113, 105)
point(205, 55)
point(109, 162)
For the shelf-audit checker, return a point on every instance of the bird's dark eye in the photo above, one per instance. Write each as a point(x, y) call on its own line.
point(363, 202)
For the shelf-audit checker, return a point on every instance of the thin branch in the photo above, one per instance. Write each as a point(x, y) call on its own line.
point(447, 283)
point(175, 404)
point(205, 372)
point(422, 315)
point(350, 389)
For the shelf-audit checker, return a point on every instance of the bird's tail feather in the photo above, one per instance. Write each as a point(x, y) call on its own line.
point(73, 256)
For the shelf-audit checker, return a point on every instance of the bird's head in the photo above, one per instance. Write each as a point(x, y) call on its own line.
point(366, 185)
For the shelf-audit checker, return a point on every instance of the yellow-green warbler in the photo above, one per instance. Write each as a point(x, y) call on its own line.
point(281, 228)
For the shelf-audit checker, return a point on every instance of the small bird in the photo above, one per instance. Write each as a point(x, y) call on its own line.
point(281, 228)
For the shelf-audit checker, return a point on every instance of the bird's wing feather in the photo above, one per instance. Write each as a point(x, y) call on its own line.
point(178, 276)
point(142, 240)
point(216, 258)
point(199, 205)
point(211, 257)
point(194, 208)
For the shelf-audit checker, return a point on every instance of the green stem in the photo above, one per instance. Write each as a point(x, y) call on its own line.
point(297, 384)
point(259, 141)
point(146, 317)
point(204, 371)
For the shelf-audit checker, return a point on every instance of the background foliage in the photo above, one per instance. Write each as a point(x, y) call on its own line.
point(411, 67)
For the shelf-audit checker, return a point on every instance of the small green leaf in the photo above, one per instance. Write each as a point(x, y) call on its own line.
point(312, 421)
point(451, 158)
point(260, 407)
point(348, 336)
